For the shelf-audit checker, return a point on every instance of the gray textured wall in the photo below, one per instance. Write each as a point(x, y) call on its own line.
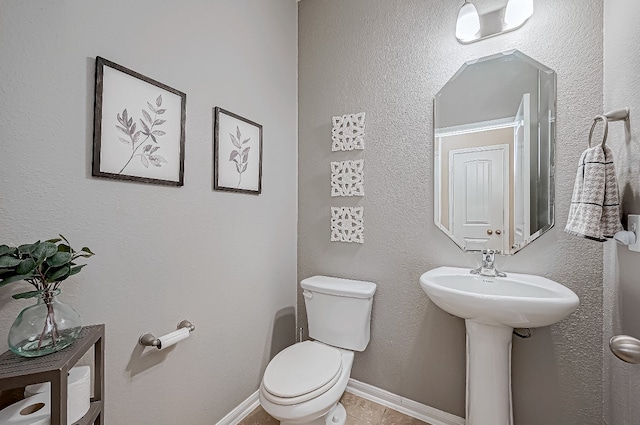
point(621, 267)
point(227, 262)
point(389, 58)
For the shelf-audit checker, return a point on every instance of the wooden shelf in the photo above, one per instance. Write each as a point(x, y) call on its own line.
point(16, 371)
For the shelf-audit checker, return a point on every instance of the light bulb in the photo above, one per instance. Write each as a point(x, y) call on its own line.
point(517, 12)
point(468, 23)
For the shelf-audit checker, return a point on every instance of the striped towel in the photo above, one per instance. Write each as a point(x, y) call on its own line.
point(595, 204)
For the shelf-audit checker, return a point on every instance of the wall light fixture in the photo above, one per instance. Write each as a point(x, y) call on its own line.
point(468, 23)
point(471, 26)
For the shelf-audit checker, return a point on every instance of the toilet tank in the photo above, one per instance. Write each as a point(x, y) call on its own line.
point(339, 311)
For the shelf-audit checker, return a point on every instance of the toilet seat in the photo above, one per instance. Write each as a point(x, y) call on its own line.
point(301, 372)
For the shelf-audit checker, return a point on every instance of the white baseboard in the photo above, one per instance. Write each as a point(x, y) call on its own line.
point(403, 405)
point(377, 395)
point(241, 411)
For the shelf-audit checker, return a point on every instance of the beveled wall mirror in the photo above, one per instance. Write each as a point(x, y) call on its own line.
point(494, 146)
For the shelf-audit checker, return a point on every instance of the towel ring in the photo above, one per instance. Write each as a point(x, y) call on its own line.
point(605, 122)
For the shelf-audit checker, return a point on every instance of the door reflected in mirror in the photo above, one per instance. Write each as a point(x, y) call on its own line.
point(494, 139)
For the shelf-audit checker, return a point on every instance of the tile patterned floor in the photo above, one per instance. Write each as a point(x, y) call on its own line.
point(360, 411)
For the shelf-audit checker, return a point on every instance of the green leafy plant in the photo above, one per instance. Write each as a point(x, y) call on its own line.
point(43, 264)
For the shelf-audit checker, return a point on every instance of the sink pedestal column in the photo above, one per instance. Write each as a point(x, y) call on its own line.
point(488, 374)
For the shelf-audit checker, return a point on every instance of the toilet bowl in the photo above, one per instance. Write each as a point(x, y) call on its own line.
point(312, 398)
point(303, 383)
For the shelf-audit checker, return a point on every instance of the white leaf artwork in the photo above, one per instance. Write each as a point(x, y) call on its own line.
point(347, 178)
point(347, 224)
point(347, 133)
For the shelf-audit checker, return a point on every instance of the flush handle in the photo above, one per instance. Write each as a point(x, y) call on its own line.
point(307, 294)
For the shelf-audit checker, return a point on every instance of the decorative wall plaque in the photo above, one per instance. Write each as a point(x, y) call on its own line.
point(347, 224)
point(348, 132)
point(347, 178)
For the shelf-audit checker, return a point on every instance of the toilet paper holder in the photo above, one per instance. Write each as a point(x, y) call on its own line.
point(148, 340)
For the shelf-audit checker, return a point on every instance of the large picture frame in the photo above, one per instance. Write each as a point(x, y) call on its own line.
point(237, 153)
point(139, 127)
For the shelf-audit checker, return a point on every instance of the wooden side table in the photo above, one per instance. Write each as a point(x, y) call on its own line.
point(16, 371)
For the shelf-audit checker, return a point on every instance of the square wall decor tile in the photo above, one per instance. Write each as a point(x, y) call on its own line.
point(347, 224)
point(347, 178)
point(348, 132)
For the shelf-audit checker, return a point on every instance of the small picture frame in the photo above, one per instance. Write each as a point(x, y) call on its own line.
point(139, 127)
point(237, 150)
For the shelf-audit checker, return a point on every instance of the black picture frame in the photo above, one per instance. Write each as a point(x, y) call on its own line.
point(148, 116)
point(235, 139)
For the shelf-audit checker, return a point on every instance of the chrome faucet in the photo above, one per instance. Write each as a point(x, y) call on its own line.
point(488, 268)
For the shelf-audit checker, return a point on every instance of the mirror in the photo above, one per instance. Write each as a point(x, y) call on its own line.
point(494, 139)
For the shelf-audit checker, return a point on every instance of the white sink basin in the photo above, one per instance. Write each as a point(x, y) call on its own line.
point(517, 301)
point(492, 307)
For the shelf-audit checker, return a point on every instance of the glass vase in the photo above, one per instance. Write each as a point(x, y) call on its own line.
point(44, 328)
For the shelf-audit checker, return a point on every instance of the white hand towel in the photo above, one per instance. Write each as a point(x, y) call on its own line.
point(595, 204)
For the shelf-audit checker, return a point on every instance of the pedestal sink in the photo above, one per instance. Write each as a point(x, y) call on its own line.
point(492, 307)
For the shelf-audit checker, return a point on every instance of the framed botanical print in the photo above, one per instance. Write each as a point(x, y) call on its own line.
point(139, 127)
point(237, 153)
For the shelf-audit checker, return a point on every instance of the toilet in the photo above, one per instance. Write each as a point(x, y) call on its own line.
point(303, 383)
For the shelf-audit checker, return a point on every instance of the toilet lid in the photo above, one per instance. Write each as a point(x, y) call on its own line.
point(301, 369)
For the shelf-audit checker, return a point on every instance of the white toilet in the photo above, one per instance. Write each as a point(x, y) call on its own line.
point(304, 382)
